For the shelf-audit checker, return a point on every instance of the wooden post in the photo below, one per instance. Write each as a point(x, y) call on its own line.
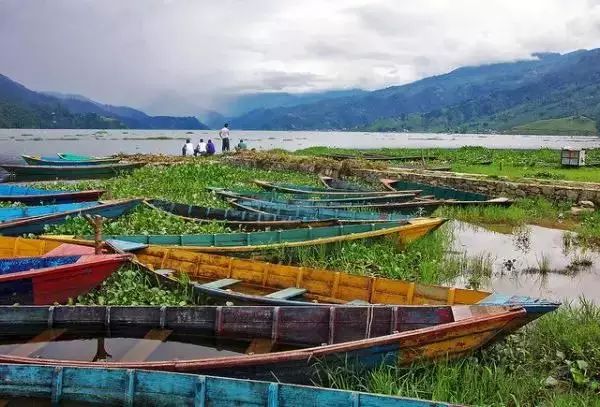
point(96, 222)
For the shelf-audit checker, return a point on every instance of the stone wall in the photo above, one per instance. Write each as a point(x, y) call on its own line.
point(552, 190)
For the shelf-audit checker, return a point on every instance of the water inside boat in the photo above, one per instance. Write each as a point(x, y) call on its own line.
point(128, 345)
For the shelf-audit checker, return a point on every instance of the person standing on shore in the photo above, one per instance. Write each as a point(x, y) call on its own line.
point(224, 136)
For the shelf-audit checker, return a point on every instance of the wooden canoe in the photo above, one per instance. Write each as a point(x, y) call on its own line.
point(254, 282)
point(36, 224)
point(416, 208)
point(246, 220)
point(244, 281)
point(380, 157)
point(19, 212)
point(44, 172)
point(50, 279)
point(305, 189)
point(403, 196)
point(317, 336)
point(448, 196)
point(321, 213)
point(115, 387)
point(403, 232)
point(36, 196)
point(33, 160)
point(78, 157)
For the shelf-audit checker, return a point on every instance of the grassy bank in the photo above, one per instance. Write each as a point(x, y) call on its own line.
point(555, 361)
point(512, 164)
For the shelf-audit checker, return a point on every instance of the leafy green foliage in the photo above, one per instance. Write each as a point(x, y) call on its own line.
point(133, 287)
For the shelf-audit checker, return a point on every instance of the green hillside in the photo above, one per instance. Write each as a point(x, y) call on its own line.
point(573, 125)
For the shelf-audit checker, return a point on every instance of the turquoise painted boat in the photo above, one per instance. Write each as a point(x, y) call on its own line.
point(306, 189)
point(36, 160)
point(37, 224)
point(317, 212)
point(403, 231)
point(36, 196)
point(78, 157)
point(19, 212)
point(120, 387)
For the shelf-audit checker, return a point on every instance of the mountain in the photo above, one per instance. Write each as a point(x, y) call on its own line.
point(495, 97)
point(22, 107)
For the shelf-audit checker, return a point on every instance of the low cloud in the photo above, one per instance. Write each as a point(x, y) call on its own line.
point(131, 52)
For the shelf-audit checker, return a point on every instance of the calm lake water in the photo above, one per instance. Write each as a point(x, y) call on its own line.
point(515, 260)
point(14, 142)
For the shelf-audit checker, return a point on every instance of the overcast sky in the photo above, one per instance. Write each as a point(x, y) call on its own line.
point(134, 51)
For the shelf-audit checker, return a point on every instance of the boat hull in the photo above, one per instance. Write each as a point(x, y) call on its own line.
point(77, 157)
point(54, 279)
point(34, 196)
point(421, 334)
point(145, 388)
point(42, 172)
point(37, 224)
point(20, 212)
point(65, 163)
point(403, 232)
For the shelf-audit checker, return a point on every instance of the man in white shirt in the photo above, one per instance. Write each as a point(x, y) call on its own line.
point(224, 136)
point(200, 148)
point(188, 148)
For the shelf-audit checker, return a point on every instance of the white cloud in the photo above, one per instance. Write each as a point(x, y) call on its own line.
point(130, 52)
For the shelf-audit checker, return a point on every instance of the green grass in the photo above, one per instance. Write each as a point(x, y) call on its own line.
point(511, 164)
point(573, 125)
point(555, 361)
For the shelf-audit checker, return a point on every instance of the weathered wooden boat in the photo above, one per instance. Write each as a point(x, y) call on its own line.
point(36, 224)
point(304, 200)
point(35, 196)
point(233, 218)
point(403, 231)
point(33, 160)
point(11, 247)
point(381, 157)
point(248, 281)
point(322, 213)
point(19, 212)
point(49, 279)
point(416, 208)
point(306, 189)
point(117, 387)
point(449, 196)
point(252, 342)
point(42, 172)
point(79, 157)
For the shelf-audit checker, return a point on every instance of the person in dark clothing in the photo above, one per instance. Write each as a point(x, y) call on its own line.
point(224, 136)
point(210, 148)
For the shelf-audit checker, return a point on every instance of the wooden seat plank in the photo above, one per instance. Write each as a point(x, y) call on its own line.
point(220, 284)
point(36, 343)
point(260, 346)
point(287, 293)
point(143, 349)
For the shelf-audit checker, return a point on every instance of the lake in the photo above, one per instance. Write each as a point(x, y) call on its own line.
point(15, 142)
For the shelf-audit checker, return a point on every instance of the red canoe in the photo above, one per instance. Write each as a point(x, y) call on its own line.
point(50, 279)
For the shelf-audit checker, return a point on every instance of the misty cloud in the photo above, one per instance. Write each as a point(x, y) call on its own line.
point(134, 51)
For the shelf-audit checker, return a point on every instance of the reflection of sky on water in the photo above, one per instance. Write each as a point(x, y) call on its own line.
point(512, 255)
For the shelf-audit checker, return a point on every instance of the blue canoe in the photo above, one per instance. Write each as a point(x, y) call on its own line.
point(144, 388)
point(36, 196)
point(19, 212)
point(314, 212)
point(31, 160)
point(36, 224)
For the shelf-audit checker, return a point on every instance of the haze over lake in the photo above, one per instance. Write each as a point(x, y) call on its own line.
point(15, 142)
